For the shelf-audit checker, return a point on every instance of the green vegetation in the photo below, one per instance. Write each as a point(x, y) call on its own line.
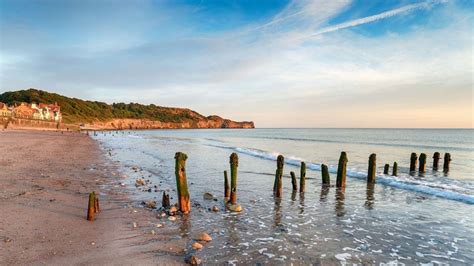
point(80, 111)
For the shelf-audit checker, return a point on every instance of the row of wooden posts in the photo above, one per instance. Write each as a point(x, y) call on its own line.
point(230, 188)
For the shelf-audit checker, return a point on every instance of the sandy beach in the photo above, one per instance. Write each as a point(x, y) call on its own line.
point(45, 180)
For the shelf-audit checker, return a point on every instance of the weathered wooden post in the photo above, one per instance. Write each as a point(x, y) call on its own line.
point(226, 188)
point(279, 175)
point(413, 159)
point(303, 177)
point(341, 171)
point(436, 156)
point(96, 204)
point(184, 202)
point(91, 207)
point(165, 202)
point(386, 168)
point(422, 166)
point(372, 169)
point(234, 163)
point(447, 160)
point(293, 181)
point(395, 169)
point(325, 175)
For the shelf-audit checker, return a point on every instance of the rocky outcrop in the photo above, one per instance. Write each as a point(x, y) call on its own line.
point(209, 122)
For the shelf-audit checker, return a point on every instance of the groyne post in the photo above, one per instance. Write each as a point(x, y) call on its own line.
point(447, 160)
point(234, 163)
point(165, 201)
point(325, 175)
point(413, 159)
point(303, 177)
point(436, 156)
point(395, 169)
point(91, 207)
point(184, 202)
point(279, 175)
point(293, 181)
point(341, 171)
point(422, 166)
point(386, 168)
point(226, 187)
point(372, 169)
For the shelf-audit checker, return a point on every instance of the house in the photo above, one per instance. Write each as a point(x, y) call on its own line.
point(23, 110)
point(4, 110)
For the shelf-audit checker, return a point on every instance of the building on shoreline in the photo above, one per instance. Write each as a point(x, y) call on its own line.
point(46, 112)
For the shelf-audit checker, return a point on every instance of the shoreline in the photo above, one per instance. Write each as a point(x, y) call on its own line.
point(45, 180)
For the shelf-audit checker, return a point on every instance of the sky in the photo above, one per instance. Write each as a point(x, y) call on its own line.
point(279, 63)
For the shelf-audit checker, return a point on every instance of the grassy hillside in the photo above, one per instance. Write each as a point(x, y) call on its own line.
point(77, 110)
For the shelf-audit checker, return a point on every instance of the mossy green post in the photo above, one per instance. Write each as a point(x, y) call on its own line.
point(325, 175)
point(184, 202)
point(293, 181)
point(422, 166)
point(279, 176)
point(303, 177)
point(226, 187)
point(447, 160)
point(436, 157)
point(91, 207)
point(413, 159)
point(395, 169)
point(234, 163)
point(372, 169)
point(386, 168)
point(341, 170)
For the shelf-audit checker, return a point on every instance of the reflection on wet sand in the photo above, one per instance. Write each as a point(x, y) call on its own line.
point(370, 199)
point(301, 207)
point(323, 196)
point(277, 212)
point(339, 203)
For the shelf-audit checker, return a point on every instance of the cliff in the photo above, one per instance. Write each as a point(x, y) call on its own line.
point(99, 115)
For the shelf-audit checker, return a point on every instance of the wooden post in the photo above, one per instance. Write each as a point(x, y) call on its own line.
point(341, 171)
point(96, 204)
point(447, 160)
point(293, 181)
point(165, 202)
point(325, 175)
point(386, 168)
point(226, 188)
point(184, 202)
point(395, 169)
point(422, 167)
point(90, 207)
point(436, 156)
point(413, 159)
point(372, 169)
point(303, 177)
point(234, 163)
point(279, 176)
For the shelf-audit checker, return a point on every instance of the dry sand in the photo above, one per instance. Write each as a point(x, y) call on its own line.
point(45, 179)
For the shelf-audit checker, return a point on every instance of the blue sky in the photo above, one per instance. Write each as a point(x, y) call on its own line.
point(280, 63)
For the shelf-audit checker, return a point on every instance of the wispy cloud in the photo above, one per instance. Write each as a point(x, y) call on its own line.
point(383, 15)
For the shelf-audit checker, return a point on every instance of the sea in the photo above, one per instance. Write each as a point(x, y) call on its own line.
point(412, 218)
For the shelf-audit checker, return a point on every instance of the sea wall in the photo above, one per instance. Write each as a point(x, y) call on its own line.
point(20, 123)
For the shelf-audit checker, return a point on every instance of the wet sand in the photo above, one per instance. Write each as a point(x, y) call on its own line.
point(45, 179)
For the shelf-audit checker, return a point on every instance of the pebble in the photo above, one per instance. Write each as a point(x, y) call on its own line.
point(134, 225)
point(150, 204)
point(172, 218)
point(159, 225)
point(173, 210)
point(196, 245)
point(153, 232)
point(139, 182)
point(234, 207)
point(215, 208)
point(208, 196)
point(203, 237)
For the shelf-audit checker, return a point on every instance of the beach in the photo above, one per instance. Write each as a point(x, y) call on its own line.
point(45, 179)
